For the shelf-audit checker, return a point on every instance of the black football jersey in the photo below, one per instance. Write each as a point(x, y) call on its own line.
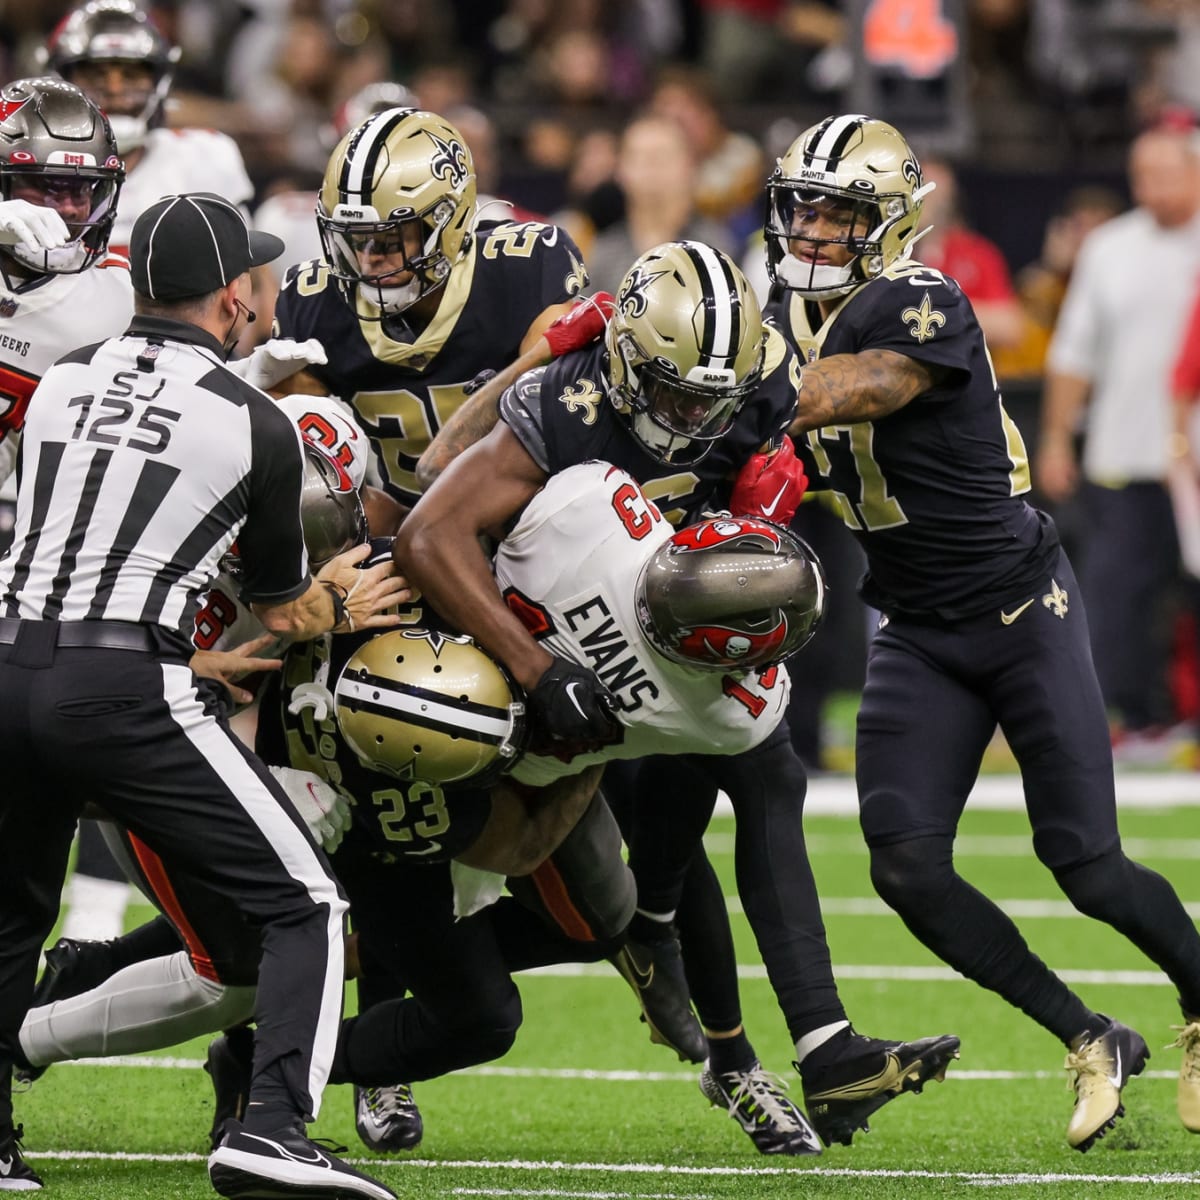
point(404, 387)
point(563, 416)
point(933, 491)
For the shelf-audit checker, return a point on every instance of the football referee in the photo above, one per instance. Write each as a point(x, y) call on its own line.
point(142, 459)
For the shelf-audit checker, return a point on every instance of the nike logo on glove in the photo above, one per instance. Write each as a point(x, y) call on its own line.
point(768, 509)
point(570, 690)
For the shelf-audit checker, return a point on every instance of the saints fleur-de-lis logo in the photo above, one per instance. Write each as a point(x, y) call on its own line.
point(437, 640)
point(585, 396)
point(631, 299)
point(450, 162)
point(923, 322)
point(577, 278)
point(1056, 600)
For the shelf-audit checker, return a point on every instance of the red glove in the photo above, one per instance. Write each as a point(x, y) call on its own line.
point(770, 486)
point(580, 325)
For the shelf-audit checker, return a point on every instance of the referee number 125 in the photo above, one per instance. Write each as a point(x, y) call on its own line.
point(103, 420)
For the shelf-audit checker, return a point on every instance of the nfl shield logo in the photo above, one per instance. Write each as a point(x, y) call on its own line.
point(8, 306)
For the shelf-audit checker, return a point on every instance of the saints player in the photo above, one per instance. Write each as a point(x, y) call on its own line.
point(415, 298)
point(982, 624)
point(686, 389)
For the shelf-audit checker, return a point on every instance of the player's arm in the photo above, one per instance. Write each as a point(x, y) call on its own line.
point(1063, 403)
point(438, 550)
point(846, 389)
point(527, 825)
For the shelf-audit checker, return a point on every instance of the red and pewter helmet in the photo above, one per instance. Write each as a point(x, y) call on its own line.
point(731, 593)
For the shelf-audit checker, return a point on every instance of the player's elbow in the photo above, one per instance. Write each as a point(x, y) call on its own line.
point(428, 469)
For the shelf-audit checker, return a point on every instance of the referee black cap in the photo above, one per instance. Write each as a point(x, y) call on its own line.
point(193, 244)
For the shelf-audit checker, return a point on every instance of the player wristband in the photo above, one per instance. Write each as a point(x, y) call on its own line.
point(338, 595)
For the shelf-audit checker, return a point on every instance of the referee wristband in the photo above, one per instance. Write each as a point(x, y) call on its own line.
point(337, 594)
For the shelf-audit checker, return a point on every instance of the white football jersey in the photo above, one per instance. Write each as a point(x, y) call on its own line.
point(39, 326)
point(570, 570)
point(180, 160)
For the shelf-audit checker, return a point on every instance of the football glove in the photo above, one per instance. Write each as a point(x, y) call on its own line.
point(276, 359)
point(580, 325)
point(770, 486)
point(325, 811)
point(571, 712)
point(31, 226)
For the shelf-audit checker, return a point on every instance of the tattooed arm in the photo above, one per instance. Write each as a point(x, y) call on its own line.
point(848, 388)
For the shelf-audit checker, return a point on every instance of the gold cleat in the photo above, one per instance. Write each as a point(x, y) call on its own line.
point(1187, 1096)
point(1098, 1068)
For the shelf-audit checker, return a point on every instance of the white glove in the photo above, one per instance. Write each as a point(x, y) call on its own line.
point(36, 228)
point(474, 889)
point(276, 359)
point(326, 812)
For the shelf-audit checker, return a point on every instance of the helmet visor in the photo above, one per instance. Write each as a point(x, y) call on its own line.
point(697, 412)
point(85, 198)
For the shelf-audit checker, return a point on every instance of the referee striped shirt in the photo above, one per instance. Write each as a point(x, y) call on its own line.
point(143, 458)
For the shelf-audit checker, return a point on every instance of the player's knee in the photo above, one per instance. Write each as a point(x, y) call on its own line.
point(493, 1036)
point(1096, 887)
point(911, 875)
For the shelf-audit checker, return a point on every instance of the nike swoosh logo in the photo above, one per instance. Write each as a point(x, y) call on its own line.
point(1115, 1079)
point(6, 1166)
point(571, 688)
point(768, 509)
point(641, 979)
point(432, 848)
point(1009, 618)
point(316, 1159)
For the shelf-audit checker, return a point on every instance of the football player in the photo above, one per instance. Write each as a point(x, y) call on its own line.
point(415, 298)
point(116, 54)
point(687, 389)
point(983, 623)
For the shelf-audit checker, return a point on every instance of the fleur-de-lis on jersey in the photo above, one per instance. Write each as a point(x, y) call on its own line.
point(924, 321)
point(450, 162)
point(1056, 600)
point(585, 396)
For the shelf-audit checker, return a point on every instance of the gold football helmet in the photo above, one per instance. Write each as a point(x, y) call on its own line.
point(857, 175)
point(422, 705)
point(400, 170)
point(685, 346)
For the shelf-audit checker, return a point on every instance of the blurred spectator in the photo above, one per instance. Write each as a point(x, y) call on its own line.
point(1042, 285)
point(969, 258)
point(730, 170)
point(656, 171)
point(593, 201)
point(1113, 350)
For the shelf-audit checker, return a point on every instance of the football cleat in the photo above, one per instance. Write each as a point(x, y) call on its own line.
point(16, 1175)
point(1187, 1095)
point(843, 1093)
point(1098, 1068)
point(387, 1118)
point(655, 972)
point(758, 1102)
point(230, 1064)
point(286, 1164)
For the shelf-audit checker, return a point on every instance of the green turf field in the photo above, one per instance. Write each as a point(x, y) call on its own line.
point(585, 1106)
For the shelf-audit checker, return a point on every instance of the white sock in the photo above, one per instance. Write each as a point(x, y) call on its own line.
point(96, 909)
point(147, 1006)
point(818, 1037)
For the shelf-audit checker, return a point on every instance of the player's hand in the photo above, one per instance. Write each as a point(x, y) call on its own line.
point(278, 359)
point(1056, 470)
point(325, 811)
point(29, 225)
point(367, 592)
point(581, 325)
point(228, 666)
point(770, 486)
point(571, 712)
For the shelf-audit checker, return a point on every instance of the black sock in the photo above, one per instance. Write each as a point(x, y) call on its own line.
point(155, 939)
point(270, 1116)
point(731, 1054)
point(828, 1051)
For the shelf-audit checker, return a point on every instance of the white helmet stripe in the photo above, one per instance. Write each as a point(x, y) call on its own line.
point(832, 137)
point(426, 709)
point(722, 329)
point(362, 154)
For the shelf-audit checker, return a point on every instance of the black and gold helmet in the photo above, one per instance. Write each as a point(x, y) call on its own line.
point(685, 347)
point(400, 166)
point(862, 171)
point(422, 705)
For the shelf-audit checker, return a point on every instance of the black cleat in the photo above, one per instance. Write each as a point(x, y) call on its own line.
point(1100, 1066)
point(759, 1103)
point(844, 1092)
point(387, 1118)
point(230, 1064)
point(655, 972)
point(285, 1164)
point(16, 1175)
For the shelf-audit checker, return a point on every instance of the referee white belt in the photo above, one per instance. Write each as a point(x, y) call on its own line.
point(99, 635)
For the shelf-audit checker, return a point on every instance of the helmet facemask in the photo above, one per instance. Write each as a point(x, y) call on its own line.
point(96, 187)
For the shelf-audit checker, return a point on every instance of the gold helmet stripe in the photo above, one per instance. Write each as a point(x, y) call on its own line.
point(426, 708)
point(721, 303)
point(357, 175)
point(832, 139)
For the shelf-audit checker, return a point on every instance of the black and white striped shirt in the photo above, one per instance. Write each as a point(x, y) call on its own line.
point(142, 460)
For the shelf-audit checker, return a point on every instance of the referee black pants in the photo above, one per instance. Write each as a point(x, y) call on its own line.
point(138, 735)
